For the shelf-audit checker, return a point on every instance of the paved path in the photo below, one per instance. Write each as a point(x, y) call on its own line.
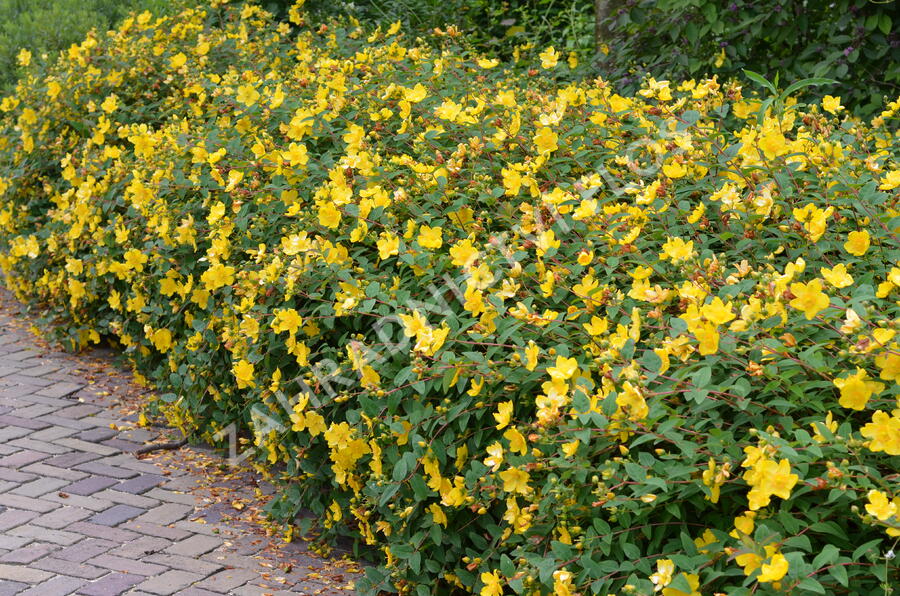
point(80, 514)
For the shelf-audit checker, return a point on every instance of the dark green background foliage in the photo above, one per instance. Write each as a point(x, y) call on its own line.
point(47, 26)
point(854, 41)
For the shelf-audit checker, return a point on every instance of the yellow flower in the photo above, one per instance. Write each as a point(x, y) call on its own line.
point(243, 372)
point(430, 237)
point(565, 368)
point(531, 355)
point(837, 276)
point(545, 140)
point(178, 60)
point(890, 181)
point(515, 481)
point(549, 58)
point(883, 433)
point(809, 298)
point(774, 570)
point(832, 105)
point(23, 57)
point(677, 249)
point(162, 340)
point(503, 414)
point(717, 312)
point(769, 478)
point(493, 585)
point(388, 244)
point(329, 216)
point(287, 320)
point(708, 337)
point(857, 243)
point(879, 506)
point(663, 576)
point(110, 104)
point(857, 389)
point(218, 276)
point(247, 95)
point(674, 170)
point(693, 581)
point(437, 514)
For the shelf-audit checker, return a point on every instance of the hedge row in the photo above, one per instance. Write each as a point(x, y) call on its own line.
point(517, 336)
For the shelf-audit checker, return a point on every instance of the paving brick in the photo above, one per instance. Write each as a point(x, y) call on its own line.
point(80, 411)
point(52, 433)
point(44, 534)
point(13, 542)
point(141, 547)
point(194, 546)
point(43, 470)
point(29, 423)
point(114, 496)
point(172, 497)
point(167, 513)
point(227, 580)
point(80, 445)
point(200, 528)
point(71, 568)
point(60, 389)
point(97, 435)
point(9, 433)
point(141, 484)
point(191, 564)
point(92, 503)
point(39, 487)
point(90, 485)
point(11, 475)
point(33, 410)
point(28, 503)
point(29, 553)
point(60, 585)
point(116, 514)
point(114, 563)
point(105, 532)
point(12, 518)
point(19, 573)
point(72, 423)
point(129, 462)
point(195, 591)
point(169, 582)
point(41, 446)
point(111, 585)
point(84, 550)
point(155, 530)
point(22, 458)
point(9, 588)
point(71, 460)
point(102, 469)
point(62, 517)
point(122, 445)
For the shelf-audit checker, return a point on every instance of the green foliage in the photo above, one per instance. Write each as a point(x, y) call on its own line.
point(514, 334)
point(854, 41)
point(488, 26)
point(44, 27)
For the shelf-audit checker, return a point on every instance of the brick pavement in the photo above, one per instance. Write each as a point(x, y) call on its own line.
point(79, 514)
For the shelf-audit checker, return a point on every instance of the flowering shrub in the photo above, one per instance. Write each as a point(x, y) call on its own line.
point(516, 335)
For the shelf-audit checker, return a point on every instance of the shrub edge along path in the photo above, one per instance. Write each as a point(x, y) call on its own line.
point(79, 513)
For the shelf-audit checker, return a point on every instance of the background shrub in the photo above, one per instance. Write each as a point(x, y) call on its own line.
point(510, 332)
point(853, 41)
point(44, 27)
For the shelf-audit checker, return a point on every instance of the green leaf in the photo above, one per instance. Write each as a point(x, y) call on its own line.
point(760, 80)
point(810, 82)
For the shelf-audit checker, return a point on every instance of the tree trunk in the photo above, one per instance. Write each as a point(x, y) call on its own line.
point(601, 23)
